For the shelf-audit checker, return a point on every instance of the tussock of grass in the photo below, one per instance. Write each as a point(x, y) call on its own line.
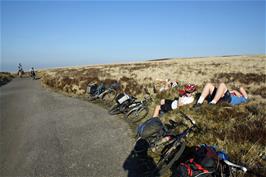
point(260, 91)
point(255, 132)
point(131, 86)
point(248, 78)
point(5, 77)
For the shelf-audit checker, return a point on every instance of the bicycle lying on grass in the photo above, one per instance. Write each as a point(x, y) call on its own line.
point(132, 109)
point(169, 144)
point(100, 92)
point(138, 110)
point(123, 101)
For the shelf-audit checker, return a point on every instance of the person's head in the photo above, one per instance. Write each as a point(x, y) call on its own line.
point(190, 89)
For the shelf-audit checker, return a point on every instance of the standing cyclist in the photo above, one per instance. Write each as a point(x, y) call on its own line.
point(32, 73)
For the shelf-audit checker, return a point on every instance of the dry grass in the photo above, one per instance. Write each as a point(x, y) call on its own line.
point(5, 77)
point(240, 130)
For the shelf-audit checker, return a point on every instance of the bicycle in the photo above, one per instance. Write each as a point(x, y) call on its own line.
point(123, 101)
point(100, 92)
point(108, 94)
point(138, 110)
point(172, 145)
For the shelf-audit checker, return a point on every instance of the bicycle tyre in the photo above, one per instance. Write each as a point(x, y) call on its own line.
point(115, 109)
point(124, 107)
point(135, 115)
point(92, 97)
point(109, 96)
point(167, 161)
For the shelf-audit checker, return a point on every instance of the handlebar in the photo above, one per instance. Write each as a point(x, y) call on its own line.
point(192, 121)
point(242, 168)
point(133, 98)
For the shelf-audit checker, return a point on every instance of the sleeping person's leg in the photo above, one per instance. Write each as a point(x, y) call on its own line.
point(207, 90)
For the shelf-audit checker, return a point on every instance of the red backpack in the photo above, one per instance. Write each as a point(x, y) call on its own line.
point(203, 163)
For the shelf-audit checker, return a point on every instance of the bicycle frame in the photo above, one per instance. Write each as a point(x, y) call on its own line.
point(100, 96)
point(137, 104)
point(176, 147)
point(104, 92)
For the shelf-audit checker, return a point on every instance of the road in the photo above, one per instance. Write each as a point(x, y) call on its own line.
point(44, 133)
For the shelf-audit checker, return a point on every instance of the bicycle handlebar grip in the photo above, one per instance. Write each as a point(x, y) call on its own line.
point(189, 118)
point(192, 120)
point(244, 169)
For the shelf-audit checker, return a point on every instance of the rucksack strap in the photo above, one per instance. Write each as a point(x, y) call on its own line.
point(189, 170)
point(198, 166)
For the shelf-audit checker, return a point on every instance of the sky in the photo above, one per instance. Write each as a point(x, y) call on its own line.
point(47, 34)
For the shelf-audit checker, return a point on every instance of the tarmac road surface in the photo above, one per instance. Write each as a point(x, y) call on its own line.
point(44, 133)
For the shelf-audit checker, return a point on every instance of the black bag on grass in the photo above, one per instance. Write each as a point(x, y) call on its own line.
point(151, 129)
point(100, 89)
point(91, 89)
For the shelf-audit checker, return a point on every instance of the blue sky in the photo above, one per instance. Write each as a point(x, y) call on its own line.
point(67, 33)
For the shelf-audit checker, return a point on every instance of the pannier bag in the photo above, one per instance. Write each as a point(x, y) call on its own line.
point(100, 89)
point(150, 129)
point(91, 89)
point(205, 162)
point(121, 98)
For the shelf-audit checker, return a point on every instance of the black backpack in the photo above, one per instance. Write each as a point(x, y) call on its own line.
point(100, 89)
point(204, 162)
point(91, 89)
point(151, 130)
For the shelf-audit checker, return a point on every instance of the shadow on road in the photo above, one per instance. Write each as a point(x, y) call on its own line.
point(139, 163)
point(37, 78)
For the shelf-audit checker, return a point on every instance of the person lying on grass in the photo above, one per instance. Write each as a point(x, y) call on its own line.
point(168, 84)
point(167, 105)
point(221, 94)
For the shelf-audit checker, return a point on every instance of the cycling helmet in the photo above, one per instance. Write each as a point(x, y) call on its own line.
point(190, 88)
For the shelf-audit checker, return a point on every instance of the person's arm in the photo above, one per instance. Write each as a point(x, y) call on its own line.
point(243, 92)
point(157, 111)
point(236, 93)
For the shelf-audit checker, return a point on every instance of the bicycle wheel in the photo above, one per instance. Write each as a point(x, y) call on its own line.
point(92, 97)
point(115, 109)
point(135, 115)
point(109, 96)
point(168, 159)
